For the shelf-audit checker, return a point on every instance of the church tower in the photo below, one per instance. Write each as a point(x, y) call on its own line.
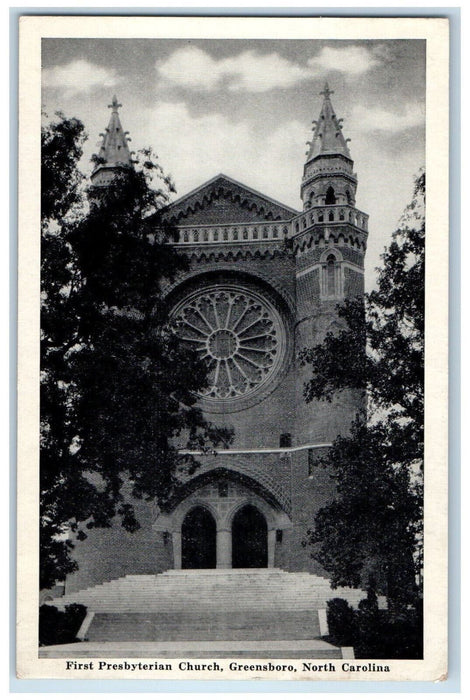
point(329, 240)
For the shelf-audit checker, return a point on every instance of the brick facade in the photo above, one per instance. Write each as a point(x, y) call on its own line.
point(301, 270)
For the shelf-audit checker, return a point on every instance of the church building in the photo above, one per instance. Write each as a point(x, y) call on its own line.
point(263, 283)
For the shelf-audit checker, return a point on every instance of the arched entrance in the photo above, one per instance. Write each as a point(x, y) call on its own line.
point(249, 539)
point(198, 540)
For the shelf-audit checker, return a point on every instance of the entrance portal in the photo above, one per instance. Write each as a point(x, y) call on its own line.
point(198, 540)
point(249, 539)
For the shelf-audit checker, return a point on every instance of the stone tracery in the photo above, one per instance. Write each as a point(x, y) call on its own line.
point(237, 332)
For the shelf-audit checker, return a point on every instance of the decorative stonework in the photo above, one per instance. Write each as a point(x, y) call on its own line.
point(323, 237)
point(224, 200)
point(258, 477)
point(235, 252)
point(244, 232)
point(239, 333)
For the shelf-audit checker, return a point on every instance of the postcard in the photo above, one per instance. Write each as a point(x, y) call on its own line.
point(232, 359)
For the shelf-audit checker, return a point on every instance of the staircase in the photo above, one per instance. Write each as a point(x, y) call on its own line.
point(210, 606)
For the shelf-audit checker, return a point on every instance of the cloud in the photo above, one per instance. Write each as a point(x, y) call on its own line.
point(78, 77)
point(352, 60)
point(254, 72)
point(367, 119)
point(251, 71)
point(190, 67)
point(194, 148)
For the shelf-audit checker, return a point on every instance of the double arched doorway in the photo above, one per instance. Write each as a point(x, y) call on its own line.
point(247, 539)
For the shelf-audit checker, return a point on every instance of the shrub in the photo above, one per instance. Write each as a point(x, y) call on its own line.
point(57, 627)
point(341, 622)
point(374, 633)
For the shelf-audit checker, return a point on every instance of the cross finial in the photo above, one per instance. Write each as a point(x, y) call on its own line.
point(326, 90)
point(114, 104)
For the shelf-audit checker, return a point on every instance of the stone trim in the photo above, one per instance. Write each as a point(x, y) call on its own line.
point(85, 626)
point(262, 450)
point(318, 265)
point(259, 482)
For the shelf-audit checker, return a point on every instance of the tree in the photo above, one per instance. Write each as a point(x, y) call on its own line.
point(371, 533)
point(118, 388)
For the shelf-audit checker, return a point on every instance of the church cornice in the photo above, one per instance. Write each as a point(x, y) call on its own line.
point(332, 234)
point(325, 175)
point(235, 253)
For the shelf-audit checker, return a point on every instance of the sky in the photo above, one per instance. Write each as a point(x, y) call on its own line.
point(244, 108)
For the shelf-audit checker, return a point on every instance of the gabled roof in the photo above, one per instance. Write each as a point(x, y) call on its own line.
point(238, 200)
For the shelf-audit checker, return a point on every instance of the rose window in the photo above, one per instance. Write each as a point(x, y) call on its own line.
point(237, 332)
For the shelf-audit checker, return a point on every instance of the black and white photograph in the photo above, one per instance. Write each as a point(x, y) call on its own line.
point(226, 459)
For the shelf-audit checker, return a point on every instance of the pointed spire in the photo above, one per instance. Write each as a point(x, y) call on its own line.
point(328, 138)
point(114, 148)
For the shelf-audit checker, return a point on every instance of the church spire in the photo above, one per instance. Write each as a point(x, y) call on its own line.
point(114, 150)
point(328, 171)
point(328, 138)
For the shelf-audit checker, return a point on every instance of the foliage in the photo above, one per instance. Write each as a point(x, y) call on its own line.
point(374, 633)
point(371, 533)
point(118, 389)
point(60, 627)
point(341, 622)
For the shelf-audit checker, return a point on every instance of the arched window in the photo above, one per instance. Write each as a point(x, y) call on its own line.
point(330, 276)
point(330, 196)
point(331, 216)
point(185, 237)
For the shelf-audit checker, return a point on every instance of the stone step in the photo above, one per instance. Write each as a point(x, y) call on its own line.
point(111, 608)
point(222, 626)
point(213, 606)
point(176, 601)
point(233, 649)
point(210, 591)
